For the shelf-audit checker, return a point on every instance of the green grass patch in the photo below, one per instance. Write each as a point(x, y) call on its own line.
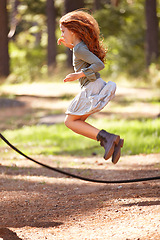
point(140, 137)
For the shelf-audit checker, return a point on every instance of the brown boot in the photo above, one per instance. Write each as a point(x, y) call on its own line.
point(117, 151)
point(108, 141)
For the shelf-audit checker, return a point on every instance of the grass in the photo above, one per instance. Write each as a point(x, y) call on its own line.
point(140, 137)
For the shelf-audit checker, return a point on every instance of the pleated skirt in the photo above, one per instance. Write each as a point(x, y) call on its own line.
point(92, 98)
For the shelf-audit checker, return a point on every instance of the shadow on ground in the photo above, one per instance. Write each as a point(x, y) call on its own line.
point(40, 198)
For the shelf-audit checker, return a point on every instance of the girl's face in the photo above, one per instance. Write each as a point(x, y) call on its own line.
point(66, 34)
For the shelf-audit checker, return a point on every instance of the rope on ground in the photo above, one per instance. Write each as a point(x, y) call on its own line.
point(73, 175)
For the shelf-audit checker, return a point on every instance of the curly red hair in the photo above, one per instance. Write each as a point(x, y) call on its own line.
point(87, 29)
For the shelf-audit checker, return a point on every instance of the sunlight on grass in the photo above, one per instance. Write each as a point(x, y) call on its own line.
point(140, 137)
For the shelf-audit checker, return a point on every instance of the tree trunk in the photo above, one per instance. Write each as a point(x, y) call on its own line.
point(4, 56)
point(115, 2)
point(151, 31)
point(97, 4)
point(51, 25)
point(71, 5)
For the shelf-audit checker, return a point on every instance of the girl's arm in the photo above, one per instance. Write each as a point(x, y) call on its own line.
point(95, 64)
point(73, 76)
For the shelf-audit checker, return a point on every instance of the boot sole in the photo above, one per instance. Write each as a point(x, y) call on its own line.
point(117, 155)
point(115, 141)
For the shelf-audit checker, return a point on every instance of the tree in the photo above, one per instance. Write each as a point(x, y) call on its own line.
point(151, 31)
point(97, 4)
point(51, 25)
point(115, 2)
point(4, 56)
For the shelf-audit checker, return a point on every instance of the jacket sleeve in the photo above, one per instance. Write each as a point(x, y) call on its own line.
point(94, 63)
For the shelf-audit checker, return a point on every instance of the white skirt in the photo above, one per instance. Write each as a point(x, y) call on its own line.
point(92, 98)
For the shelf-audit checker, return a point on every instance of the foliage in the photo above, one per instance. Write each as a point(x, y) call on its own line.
point(154, 74)
point(124, 33)
point(34, 7)
point(140, 137)
point(123, 30)
point(27, 63)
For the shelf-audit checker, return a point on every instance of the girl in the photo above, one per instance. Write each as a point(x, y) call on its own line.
point(80, 32)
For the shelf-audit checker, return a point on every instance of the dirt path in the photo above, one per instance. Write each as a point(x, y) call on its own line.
point(40, 204)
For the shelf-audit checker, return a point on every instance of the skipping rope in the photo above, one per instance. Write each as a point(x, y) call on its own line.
point(73, 175)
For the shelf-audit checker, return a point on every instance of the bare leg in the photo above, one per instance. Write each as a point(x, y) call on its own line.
point(78, 125)
point(107, 140)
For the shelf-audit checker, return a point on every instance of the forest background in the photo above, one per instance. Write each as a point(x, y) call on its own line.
point(30, 29)
point(39, 204)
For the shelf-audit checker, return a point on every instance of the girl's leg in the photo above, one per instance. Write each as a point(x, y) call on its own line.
point(77, 124)
point(107, 140)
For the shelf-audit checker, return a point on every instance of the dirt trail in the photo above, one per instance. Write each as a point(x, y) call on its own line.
point(40, 204)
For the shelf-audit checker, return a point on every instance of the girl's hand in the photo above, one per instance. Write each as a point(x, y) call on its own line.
point(61, 40)
point(73, 76)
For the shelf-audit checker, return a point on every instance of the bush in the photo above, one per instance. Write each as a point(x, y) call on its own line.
point(27, 63)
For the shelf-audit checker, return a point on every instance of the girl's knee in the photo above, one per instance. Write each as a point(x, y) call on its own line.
point(66, 121)
point(70, 120)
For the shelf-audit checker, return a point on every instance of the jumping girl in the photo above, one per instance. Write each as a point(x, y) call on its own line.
point(80, 32)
